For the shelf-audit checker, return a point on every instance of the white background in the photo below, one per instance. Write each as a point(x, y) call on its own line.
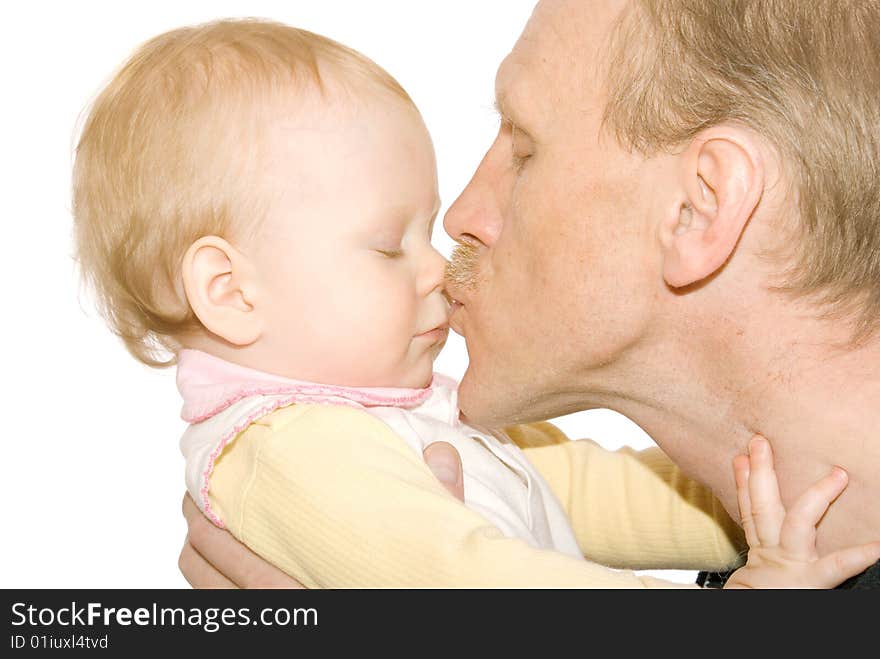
point(91, 473)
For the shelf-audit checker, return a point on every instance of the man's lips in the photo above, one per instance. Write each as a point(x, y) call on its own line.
point(453, 297)
point(455, 304)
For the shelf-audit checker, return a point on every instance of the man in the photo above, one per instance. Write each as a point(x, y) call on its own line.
point(679, 220)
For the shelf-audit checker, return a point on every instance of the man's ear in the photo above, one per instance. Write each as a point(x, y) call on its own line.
point(221, 286)
point(722, 181)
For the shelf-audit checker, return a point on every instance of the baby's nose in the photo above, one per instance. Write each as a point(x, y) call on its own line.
point(434, 272)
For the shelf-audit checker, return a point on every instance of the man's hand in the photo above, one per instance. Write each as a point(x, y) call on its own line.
point(782, 543)
point(445, 462)
point(212, 558)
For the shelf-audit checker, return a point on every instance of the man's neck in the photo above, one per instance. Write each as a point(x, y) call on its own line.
point(819, 406)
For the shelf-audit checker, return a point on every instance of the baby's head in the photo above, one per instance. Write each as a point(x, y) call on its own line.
point(267, 195)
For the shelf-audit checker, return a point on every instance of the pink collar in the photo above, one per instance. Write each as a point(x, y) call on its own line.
point(209, 385)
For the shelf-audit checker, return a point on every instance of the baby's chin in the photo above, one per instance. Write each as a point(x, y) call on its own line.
point(425, 381)
point(419, 374)
point(426, 378)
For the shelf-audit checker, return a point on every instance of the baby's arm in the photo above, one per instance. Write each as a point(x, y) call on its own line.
point(207, 549)
point(335, 499)
point(782, 543)
point(633, 509)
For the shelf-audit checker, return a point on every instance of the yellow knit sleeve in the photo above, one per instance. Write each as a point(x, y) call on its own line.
point(633, 509)
point(337, 500)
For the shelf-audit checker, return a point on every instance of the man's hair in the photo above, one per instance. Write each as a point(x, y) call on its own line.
point(806, 75)
point(170, 151)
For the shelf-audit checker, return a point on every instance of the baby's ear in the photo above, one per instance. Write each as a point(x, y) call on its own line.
point(221, 287)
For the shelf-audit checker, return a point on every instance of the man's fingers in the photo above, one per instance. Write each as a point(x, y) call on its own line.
point(766, 504)
point(799, 529)
point(188, 507)
point(215, 546)
point(836, 568)
point(445, 462)
point(198, 572)
point(741, 476)
point(228, 556)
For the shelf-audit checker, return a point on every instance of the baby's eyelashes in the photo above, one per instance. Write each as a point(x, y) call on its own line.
point(391, 253)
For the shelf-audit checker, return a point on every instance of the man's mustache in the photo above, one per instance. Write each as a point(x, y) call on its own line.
point(461, 271)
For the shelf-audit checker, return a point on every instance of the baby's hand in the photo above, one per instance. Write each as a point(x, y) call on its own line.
point(782, 544)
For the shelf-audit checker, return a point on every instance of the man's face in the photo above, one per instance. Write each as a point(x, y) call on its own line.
point(559, 283)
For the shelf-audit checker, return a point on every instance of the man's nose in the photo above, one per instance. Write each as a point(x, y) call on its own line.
point(476, 212)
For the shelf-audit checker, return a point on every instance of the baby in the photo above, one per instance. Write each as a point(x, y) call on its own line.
point(258, 201)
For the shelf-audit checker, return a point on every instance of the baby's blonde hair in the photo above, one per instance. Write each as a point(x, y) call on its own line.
point(170, 151)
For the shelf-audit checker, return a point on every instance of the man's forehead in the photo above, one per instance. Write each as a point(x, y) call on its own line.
point(561, 37)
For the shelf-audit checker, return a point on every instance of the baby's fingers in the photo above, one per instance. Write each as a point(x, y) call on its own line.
point(834, 569)
point(741, 476)
point(767, 510)
point(799, 529)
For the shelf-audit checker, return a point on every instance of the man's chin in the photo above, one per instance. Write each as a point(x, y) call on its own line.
point(468, 398)
point(475, 400)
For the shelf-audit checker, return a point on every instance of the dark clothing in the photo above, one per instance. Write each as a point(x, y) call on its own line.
point(867, 580)
point(713, 579)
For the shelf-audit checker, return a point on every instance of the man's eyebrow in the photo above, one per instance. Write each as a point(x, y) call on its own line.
point(500, 106)
point(503, 110)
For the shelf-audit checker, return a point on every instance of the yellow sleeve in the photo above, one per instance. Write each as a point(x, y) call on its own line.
point(335, 499)
point(632, 509)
